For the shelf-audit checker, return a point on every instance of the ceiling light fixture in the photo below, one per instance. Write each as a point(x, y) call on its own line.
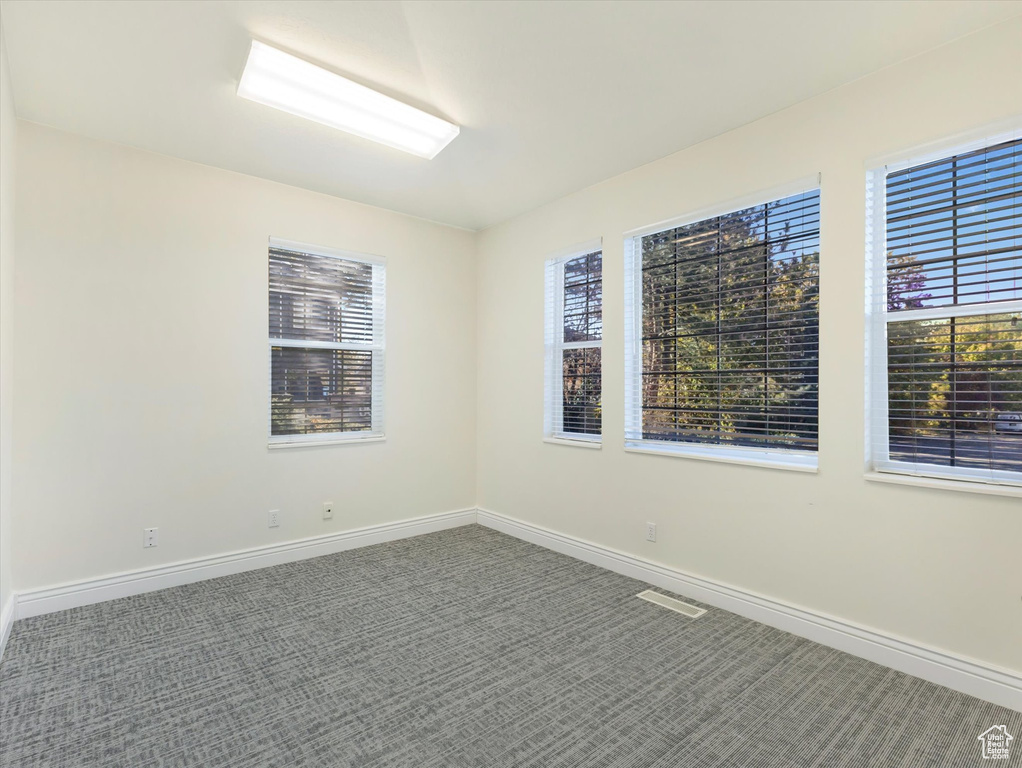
point(285, 82)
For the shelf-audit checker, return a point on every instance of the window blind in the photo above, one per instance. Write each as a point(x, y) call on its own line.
point(722, 331)
point(574, 337)
point(326, 335)
point(948, 289)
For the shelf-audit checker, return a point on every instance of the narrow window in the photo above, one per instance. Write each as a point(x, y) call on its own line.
point(326, 344)
point(946, 316)
point(722, 337)
point(574, 336)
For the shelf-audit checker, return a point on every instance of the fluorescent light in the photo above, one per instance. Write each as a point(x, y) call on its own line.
point(285, 82)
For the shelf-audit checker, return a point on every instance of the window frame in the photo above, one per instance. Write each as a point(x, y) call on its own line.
point(555, 346)
point(878, 464)
point(377, 347)
point(772, 458)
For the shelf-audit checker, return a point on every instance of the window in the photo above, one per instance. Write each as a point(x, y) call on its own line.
point(946, 315)
point(326, 345)
point(574, 336)
point(722, 336)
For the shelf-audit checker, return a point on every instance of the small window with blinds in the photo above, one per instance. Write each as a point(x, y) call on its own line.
point(722, 336)
point(574, 337)
point(946, 306)
point(326, 345)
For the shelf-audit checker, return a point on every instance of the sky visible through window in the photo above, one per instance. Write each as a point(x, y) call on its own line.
point(955, 227)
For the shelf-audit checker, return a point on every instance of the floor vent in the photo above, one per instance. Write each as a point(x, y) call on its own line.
point(670, 603)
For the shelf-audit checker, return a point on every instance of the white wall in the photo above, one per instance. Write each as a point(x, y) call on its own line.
point(141, 336)
point(940, 568)
point(8, 134)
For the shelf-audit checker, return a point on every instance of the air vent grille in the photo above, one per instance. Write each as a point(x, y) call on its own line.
point(671, 604)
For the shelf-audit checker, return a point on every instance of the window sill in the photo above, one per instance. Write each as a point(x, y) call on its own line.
point(575, 443)
point(274, 446)
point(943, 484)
point(768, 459)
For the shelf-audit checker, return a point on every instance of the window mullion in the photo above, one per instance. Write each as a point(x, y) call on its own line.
point(344, 346)
point(948, 311)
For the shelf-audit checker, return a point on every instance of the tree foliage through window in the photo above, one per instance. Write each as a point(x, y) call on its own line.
point(730, 328)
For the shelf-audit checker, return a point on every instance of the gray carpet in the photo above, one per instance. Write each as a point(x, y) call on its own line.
point(460, 648)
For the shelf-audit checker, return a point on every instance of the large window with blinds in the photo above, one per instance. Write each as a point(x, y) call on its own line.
point(574, 337)
point(946, 315)
point(326, 345)
point(722, 334)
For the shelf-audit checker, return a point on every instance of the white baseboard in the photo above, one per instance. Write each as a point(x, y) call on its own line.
point(1000, 686)
point(6, 620)
point(59, 598)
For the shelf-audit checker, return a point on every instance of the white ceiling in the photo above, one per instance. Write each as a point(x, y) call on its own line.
point(551, 96)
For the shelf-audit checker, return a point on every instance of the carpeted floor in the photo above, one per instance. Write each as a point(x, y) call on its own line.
point(460, 648)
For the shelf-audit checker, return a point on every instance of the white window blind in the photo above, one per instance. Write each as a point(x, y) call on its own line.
point(574, 337)
point(722, 334)
point(946, 315)
point(326, 344)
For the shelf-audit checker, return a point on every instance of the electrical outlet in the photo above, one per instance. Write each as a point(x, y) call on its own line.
point(150, 537)
point(650, 531)
point(328, 510)
point(274, 518)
